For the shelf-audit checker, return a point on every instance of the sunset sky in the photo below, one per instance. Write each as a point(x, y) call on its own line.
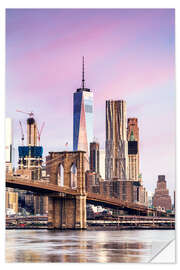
point(129, 55)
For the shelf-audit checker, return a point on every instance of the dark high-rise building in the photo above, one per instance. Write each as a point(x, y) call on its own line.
point(133, 148)
point(116, 140)
point(31, 131)
point(83, 118)
point(161, 196)
point(94, 157)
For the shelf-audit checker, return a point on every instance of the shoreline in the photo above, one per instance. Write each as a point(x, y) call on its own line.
point(99, 228)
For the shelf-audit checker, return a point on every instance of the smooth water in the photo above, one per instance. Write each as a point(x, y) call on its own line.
point(129, 246)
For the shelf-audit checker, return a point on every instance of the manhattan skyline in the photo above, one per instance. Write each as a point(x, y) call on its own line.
point(129, 55)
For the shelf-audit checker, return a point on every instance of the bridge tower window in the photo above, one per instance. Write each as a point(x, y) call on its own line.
point(73, 176)
point(60, 180)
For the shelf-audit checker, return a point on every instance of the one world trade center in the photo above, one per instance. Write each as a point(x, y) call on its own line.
point(82, 118)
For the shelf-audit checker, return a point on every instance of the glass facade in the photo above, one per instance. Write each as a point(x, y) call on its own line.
point(82, 120)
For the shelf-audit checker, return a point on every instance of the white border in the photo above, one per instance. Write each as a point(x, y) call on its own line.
point(2, 137)
point(71, 4)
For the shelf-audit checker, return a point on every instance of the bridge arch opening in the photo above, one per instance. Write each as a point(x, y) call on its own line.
point(73, 175)
point(60, 176)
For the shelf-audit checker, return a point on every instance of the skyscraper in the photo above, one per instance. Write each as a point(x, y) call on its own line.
point(82, 118)
point(133, 148)
point(8, 149)
point(94, 157)
point(102, 163)
point(161, 196)
point(116, 140)
point(31, 132)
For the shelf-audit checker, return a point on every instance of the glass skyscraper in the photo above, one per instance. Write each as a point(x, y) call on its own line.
point(82, 118)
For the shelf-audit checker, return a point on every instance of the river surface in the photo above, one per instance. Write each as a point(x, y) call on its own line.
point(123, 246)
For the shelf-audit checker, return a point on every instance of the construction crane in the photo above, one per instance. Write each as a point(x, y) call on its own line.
point(22, 133)
point(31, 114)
point(40, 132)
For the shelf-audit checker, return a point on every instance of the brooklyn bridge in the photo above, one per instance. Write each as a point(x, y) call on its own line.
point(67, 204)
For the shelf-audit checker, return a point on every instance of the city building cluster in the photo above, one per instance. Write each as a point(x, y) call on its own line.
point(112, 172)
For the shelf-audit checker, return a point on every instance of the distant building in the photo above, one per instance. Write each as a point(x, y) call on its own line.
point(143, 195)
point(11, 194)
point(92, 181)
point(150, 199)
point(12, 200)
point(102, 163)
point(30, 156)
point(94, 157)
point(25, 202)
point(83, 119)
point(161, 196)
point(40, 205)
point(116, 140)
point(133, 148)
point(8, 146)
point(30, 167)
point(125, 190)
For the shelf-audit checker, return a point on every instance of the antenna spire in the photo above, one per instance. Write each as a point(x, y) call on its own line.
point(83, 80)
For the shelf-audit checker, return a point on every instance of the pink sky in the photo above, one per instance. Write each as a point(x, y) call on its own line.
point(129, 54)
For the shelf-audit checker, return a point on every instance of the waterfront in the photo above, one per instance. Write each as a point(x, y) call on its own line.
point(131, 246)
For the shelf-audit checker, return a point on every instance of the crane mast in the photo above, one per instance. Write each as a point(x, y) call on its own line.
point(40, 132)
point(22, 133)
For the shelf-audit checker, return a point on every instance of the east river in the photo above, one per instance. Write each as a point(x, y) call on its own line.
point(123, 246)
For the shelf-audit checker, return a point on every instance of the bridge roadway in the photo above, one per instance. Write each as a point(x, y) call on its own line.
point(114, 202)
point(42, 187)
point(39, 186)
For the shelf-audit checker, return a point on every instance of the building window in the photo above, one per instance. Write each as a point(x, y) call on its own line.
point(88, 108)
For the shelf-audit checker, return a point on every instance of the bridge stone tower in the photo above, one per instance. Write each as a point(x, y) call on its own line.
point(67, 211)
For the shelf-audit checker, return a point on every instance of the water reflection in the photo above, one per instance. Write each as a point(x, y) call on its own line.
point(84, 246)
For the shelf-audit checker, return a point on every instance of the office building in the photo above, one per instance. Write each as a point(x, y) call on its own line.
point(40, 205)
point(83, 118)
point(94, 157)
point(8, 146)
point(133, 148)
point(12, 200)
point(102, 163)
point(116, 140)
point(161, 196)
point(150, 199)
